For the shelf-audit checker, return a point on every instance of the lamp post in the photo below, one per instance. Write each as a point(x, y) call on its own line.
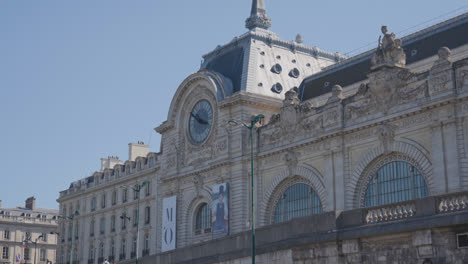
point(254, 121)
point(72, 218)
point(137, 189)
point(35, 246)
point(56, 241)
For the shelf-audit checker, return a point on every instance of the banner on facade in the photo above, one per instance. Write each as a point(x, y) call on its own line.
point(168, 235)
point(220, 210)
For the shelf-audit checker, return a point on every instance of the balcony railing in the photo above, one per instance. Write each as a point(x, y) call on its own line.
point(145, 252)
point(27, 220)
point(453, 203)
point(132, 255)
point(100, 260)
point(122, 256)
point(390, 212)
point(90, 261)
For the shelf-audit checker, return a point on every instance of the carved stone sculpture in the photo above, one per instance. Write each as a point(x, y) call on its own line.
point(389, 52)
point(337, 95)
point(386, 134)
point(440, 75)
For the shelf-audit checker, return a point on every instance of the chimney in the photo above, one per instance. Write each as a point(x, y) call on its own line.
point(109, 162)
point(31, 203)
point(0, 203)
point(137, 150)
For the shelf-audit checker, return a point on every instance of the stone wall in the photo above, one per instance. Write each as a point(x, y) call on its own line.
point(411, 232)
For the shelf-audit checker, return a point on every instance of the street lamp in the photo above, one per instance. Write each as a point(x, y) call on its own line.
point(35, 246)
point(137, 189)
point(72, 218)
point(254, 121)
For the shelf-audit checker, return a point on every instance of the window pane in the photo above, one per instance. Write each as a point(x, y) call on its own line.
point(203, 218)
point(298, 200)
point(395, 182)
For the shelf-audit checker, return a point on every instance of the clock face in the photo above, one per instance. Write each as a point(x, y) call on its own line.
point(200, 122)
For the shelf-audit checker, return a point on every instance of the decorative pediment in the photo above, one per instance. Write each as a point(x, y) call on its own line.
point(297, 120)
point(389, 82)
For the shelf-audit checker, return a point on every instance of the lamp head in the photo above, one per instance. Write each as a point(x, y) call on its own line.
point(258, 118)
point(145, 183)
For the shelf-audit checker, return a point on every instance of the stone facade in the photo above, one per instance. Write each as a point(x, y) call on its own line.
point(106, 218)
point(334, 144)
point(28, 225)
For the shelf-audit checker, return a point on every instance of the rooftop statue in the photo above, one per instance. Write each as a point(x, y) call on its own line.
point(389, 52)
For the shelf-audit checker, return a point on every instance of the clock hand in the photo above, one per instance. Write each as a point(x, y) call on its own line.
point(201, 120)
point(196, 117)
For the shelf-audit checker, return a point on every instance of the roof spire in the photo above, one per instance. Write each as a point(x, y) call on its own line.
point(258, 17)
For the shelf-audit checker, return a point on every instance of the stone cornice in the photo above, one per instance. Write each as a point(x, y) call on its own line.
point(105, 185)
point(246, 98)
point(273, 39)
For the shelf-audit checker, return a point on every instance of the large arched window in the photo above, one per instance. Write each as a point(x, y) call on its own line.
point(395, 182)
point(203, 219)
point(298, 200)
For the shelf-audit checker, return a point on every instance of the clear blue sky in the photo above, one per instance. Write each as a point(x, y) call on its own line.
point(81, 79)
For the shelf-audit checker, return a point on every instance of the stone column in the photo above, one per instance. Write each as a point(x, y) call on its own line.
point(438, 160)
point(451, 156)
point(334, 180)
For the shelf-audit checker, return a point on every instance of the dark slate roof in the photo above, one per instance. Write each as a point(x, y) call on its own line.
point(418, 46)
point(229, 65)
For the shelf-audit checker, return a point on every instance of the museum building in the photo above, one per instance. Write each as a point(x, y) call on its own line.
point(355, 160)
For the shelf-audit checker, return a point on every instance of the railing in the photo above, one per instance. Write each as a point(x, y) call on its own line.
point(391, 212)
point(111, 258)
point(452, 203)
point(145, 252)
point(28, 220)
point(90, 261)
point(100, 260)
point(132, 255)
point(122, 256)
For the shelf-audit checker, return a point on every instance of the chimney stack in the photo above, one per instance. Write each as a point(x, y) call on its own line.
point(109, 162)
point(137, 150)
point(31, 203)
point(0, 203)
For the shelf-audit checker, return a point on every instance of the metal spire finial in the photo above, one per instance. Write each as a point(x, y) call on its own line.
point(258, 17)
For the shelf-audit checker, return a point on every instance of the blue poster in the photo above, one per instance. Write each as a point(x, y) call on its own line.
point(220, 210)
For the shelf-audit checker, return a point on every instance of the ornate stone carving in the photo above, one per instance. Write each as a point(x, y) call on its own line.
point(389, 52)
point(289, 115)
point(386, 134)
point(440, 75)
point(258, 17)
point(198, 183)
point(313, 123)
point(390, 84)
point(337, 95)
point(291, 161)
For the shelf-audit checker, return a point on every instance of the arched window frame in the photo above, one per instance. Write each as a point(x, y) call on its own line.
point(378, 163)
point(202, 223)
point(282, 188)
